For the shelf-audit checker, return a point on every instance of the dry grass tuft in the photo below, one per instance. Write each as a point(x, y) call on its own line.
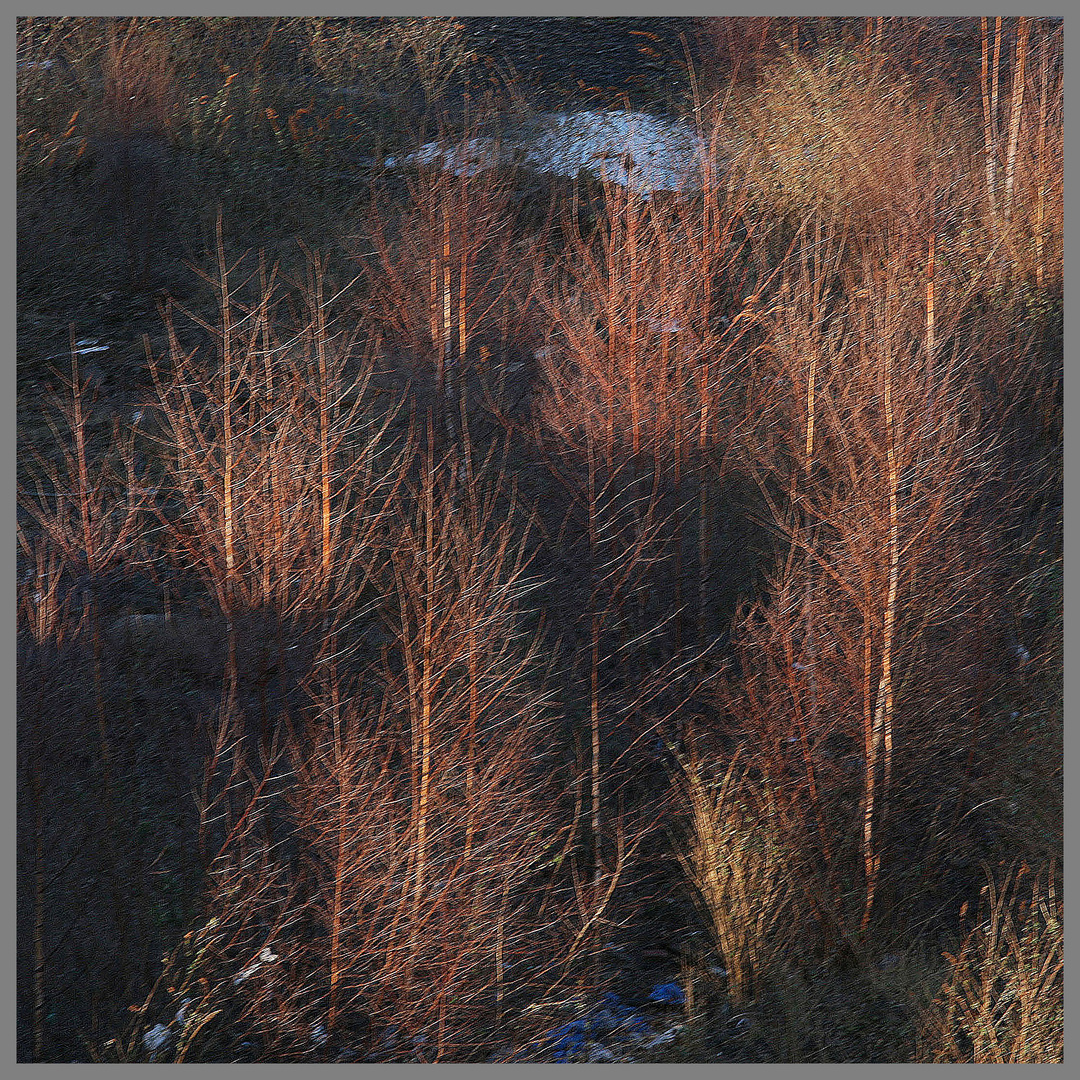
point(738, 866)
point(1004, 998)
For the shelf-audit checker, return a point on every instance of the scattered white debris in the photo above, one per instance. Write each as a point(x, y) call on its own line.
point(157, 1038)
point(266, 956)
point(82, 348)
point(664, 1037)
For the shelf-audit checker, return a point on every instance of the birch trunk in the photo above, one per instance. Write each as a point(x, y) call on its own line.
point(1016, 110)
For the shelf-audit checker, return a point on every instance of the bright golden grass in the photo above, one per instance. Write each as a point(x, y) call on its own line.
point(740, 871)
point(1003, 1000)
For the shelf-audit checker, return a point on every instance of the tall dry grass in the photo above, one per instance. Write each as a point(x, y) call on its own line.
point(275, 459)
point(421, 812)
point(389, 60)
point(651, 317)
point(446, 271)
point(1003, 999)
point(736, 861)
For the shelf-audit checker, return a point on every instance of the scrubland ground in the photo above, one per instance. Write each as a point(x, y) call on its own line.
point(446, 600)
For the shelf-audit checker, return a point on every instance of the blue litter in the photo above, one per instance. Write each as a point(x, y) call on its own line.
point(614, 1018)
point(667, 994)
point(570, 1038)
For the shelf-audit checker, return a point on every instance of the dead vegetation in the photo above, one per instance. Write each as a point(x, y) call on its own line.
point(406, 596)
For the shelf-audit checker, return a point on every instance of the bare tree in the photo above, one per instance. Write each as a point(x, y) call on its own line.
point(275, 455)
point(426, 821)
point(443, 272)
point(878, 455)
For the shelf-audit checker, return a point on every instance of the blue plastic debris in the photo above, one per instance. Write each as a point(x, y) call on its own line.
point(569, 1039)
point(667, 994)
point(612, 1019)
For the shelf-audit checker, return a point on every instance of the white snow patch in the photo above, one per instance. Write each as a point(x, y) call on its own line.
point(635, 150)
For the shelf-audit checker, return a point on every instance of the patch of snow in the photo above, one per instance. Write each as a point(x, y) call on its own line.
point(632, 149)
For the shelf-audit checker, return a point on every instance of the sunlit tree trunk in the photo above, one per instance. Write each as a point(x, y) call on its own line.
point(1016, 107)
